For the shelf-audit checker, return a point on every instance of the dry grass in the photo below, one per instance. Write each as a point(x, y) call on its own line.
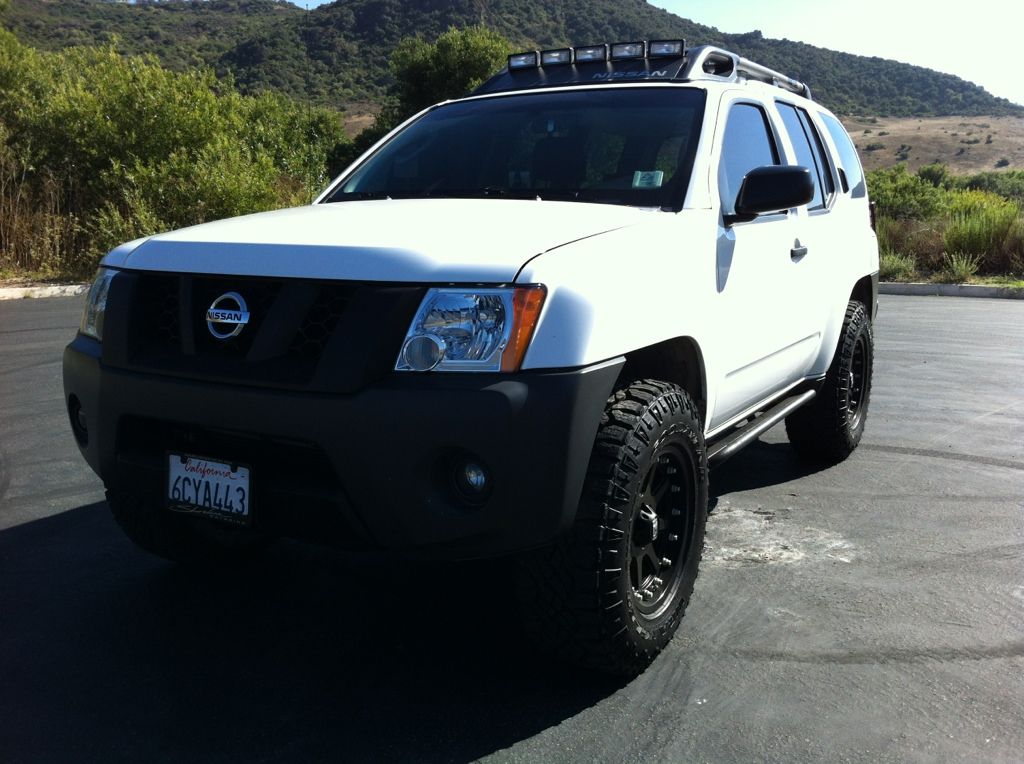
point(962, 143)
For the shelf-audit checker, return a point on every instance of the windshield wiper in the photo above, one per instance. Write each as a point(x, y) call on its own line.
point(361, 196)
point(579, 195)
point(452, 193)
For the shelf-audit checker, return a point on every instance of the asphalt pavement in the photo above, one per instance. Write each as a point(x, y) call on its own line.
point(869, 612)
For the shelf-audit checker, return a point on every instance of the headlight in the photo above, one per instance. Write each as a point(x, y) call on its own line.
point(471, 329)
point(96, 304)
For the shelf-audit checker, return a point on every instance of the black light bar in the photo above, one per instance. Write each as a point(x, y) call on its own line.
point(587, 54)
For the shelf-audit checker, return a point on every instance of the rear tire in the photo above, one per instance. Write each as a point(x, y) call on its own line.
point(829, 428)
point(610, 594)
point(195, 541)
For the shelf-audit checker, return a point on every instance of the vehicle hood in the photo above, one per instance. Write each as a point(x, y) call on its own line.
point(417, 240)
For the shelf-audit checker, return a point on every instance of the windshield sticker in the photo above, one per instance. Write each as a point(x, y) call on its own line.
point(648, 178)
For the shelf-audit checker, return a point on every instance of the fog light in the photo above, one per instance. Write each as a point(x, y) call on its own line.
point(423, 352)
point(471, 480)
point(79, 425)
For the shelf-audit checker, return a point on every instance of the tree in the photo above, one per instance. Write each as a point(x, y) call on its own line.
point(428, 73)
point(459, 61)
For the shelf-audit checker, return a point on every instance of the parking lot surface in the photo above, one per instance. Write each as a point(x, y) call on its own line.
point(869, 612)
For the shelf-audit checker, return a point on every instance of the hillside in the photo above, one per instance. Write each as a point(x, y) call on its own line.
point(965, 145)
point(337, 54)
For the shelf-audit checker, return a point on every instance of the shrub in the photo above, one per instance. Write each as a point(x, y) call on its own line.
point(901, 195)
point(874, 147)
point(97, 148)
point(922, 239)
point(894, 266)
point(1004, 162)
point(982, 225)
point(937, 174)
point(958, 268)
point(1009, 183)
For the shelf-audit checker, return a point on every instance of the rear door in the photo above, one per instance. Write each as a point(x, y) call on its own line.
point(817, 249)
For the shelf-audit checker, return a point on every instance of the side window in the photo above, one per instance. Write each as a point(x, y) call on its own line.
point(849, 162)
point(818, 146)
point(804, 154)
point(747, 145)
point(810, 152)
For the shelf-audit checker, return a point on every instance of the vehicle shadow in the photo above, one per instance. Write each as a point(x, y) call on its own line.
point(759, 465)
point(109, 654)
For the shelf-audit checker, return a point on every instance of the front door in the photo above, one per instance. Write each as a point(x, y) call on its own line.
point(760, 311)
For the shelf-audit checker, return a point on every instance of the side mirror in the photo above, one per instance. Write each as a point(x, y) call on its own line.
point(770, 189)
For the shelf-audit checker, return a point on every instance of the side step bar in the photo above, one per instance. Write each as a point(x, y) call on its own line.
point(752, 430)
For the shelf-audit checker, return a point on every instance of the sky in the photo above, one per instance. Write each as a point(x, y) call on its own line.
point(922, 32)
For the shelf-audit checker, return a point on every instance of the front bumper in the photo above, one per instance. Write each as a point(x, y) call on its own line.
point(371, 469)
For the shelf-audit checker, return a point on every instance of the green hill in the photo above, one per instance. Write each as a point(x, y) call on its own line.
point(337, 54)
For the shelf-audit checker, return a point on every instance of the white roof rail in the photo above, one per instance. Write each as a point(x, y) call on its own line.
point(708, 62)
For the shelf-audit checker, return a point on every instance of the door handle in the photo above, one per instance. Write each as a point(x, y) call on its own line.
point(798, 250)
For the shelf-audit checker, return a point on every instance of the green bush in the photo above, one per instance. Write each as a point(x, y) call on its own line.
point(924, 240)
point(118, 147)
point(937, 174)
point(900, 195)
point(1009, 184)
point(981, 224)
point(894, 266)
point(958, 268)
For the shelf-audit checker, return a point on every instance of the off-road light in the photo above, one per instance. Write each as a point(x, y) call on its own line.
point(522, 60)
point(79, 423)
point(622, 50)
point(591, 53)
point(662, 48)
point(556, 57)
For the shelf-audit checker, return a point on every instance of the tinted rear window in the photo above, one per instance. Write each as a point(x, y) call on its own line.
point(848, 159)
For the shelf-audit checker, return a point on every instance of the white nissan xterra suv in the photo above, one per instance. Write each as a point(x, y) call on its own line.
point(525, 323)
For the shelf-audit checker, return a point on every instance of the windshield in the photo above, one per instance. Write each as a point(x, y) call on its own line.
point(615, 146)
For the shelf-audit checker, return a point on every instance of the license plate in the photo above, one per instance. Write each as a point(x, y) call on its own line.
point(201, 486)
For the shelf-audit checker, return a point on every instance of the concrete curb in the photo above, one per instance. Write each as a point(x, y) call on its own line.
point(951, 290)
point(57, 290)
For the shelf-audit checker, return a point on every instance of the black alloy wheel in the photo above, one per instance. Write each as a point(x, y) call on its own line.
point(610, 594)
point(661, 532)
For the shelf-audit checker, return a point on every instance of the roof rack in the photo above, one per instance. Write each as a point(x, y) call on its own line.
point(710, 63)
point(640, 61)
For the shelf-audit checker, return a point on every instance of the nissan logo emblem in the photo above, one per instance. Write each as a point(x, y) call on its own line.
point(227, 316)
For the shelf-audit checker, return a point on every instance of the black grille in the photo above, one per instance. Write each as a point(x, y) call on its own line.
point(159, 303)
point(320, 335)
point(320, 322)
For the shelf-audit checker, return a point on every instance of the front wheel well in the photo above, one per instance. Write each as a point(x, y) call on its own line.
point(676, 360)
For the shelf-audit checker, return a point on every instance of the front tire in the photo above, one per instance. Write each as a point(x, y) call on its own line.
point(610, 594)
point(829, 428)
